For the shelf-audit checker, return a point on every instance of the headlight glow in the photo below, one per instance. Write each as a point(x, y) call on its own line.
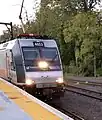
point(43, 64)
point(59, 80)
point(29, 82)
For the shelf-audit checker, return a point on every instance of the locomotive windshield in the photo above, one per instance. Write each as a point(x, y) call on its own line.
point(32, 55)
point(49, 53)
point(35, 53)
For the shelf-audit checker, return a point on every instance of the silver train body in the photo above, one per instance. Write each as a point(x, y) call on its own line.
point(32, 63)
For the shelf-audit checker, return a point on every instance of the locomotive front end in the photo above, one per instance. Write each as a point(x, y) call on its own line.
point(45, 74)
point(43, 67)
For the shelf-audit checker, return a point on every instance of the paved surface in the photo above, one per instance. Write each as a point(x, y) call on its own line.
point(10, 111)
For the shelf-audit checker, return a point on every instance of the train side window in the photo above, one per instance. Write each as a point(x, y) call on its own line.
point(12, 62)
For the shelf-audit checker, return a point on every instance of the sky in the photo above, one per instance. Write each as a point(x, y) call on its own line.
point(10, 10)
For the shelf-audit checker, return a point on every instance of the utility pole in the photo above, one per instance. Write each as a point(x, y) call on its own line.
point(20, 17)
point(27, 17)
point(10, 30)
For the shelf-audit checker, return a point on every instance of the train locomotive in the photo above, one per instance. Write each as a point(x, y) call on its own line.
point(33, 62)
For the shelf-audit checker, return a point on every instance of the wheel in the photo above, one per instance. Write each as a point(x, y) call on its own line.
point(29, 89)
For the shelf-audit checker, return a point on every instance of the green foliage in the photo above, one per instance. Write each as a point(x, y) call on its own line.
point(99, 72)
point(87, 35)
point(76, 28)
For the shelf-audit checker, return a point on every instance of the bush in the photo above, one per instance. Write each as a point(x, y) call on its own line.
point(99, 72)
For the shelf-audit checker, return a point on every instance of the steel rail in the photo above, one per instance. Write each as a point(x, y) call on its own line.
point(87, 82)
point(69, 113)
point(73, 89)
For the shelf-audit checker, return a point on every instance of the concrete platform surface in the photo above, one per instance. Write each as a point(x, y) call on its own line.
point(16, 104)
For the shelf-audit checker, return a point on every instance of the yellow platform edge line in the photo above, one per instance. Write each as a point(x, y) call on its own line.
point(37, 109)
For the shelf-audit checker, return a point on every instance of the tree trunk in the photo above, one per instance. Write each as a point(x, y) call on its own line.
point(94, 64)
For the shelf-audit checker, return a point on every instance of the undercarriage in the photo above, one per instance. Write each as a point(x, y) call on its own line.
point(51, 92)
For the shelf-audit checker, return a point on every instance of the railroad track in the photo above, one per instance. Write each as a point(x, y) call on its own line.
point(84, 92)
point(69, 113)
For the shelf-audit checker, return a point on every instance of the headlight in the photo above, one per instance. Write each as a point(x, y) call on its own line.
point(29, 82)
point(59, 80)
point(43, 64)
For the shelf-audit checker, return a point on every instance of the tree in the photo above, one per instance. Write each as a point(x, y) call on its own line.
point(87, 35)
point(6, 33)
point(76, 28)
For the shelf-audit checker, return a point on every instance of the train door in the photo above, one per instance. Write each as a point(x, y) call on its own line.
point(11, 68)
point(8, 66)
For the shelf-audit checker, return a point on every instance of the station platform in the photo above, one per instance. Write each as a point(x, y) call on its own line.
point(16, 104)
